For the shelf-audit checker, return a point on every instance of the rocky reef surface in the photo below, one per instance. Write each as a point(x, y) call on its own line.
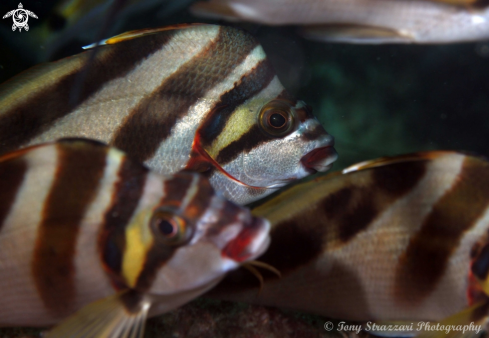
point(205, 318)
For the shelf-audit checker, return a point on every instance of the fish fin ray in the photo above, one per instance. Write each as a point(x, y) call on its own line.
point(110, 317)
point(265, 266)
point(139, 33)
point(255, 273)
point(85, 142)
point(383, 161)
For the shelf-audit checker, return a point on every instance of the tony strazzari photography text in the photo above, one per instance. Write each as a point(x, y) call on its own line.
point(409, 327)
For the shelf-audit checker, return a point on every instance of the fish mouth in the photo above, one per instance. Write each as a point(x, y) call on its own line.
point(319, 159)
point(251, 241)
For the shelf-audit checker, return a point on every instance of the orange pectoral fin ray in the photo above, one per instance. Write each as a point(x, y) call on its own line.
point(16, 153)
point(139, 33)
point(199, 160)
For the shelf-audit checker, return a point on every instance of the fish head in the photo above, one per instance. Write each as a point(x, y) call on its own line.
point(189, 239)
point(266, 143)
point(254, 137)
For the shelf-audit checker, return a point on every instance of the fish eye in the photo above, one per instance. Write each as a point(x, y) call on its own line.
point(169, 228)
point(276, 118)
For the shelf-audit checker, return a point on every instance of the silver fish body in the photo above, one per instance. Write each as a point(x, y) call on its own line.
point(196, 97)
point(400, 239)
point(362, 21)
point(80, 222)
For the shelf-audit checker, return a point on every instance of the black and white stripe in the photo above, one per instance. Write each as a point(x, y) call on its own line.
point(77, 226)
point(156, 94)
point(389, 240)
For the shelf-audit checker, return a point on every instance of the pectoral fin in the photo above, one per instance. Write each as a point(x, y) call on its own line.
point(360, 34)
point(462, 325)
point(122, 315)
point(199, 161)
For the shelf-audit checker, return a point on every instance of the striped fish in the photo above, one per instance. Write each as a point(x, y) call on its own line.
point(197, 97)
point(399, 239)
point(80, 222)
point(363, 21)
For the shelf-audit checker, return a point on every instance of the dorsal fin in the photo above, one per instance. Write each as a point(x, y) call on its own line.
point(141, 32)
point(380, 162)
point(17, 153)
point(83, 142)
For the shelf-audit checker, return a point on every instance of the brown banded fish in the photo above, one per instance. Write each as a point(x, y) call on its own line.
point(81, 223)
point(397, 239)
point(196, 97)
point(363, 21)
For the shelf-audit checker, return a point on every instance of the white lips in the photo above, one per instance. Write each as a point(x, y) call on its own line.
point(261, 242)
point(326, 164)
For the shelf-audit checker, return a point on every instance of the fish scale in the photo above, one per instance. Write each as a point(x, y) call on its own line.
point(394, 239)
point(86, 230)
point(188, 97)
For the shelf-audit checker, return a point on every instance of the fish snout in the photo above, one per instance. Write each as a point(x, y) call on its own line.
point(250, 242)
point(320, 159)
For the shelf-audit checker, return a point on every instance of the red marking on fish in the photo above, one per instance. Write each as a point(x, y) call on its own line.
point(236, 249)
point(201, 161)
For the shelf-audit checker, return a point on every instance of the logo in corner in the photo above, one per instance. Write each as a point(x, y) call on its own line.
point(20, 16)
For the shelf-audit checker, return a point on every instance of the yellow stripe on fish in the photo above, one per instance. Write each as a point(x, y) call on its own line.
point(397, 239)
point(81, 222)
point(196, 97)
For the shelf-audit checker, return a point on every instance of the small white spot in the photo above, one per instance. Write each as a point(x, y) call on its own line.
point(477, 19)
point(244, 10)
